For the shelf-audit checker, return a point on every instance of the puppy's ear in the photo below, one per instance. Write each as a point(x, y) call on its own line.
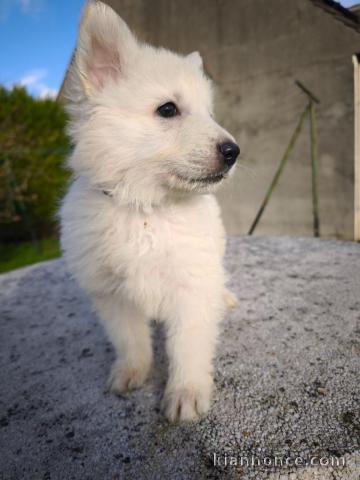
point(195, 59)
point(104, 46)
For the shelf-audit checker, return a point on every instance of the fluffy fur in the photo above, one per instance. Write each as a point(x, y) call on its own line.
point(141, 230)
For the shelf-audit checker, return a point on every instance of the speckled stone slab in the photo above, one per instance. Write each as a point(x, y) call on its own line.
point(287, 376)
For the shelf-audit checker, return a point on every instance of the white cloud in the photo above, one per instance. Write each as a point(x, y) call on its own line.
point(32, 78)
point(27, 7)
point(47, 92)
point(31, 7)
point(35, 83)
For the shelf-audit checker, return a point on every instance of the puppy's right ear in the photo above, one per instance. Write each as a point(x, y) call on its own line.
point(104, 46)
point(195, 59)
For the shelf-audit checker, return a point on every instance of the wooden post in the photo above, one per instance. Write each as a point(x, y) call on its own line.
point(314, 168)
point(280, 169)
point(356, 62)
point(313, 100)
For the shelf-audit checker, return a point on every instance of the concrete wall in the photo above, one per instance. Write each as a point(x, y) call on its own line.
point(254, 50)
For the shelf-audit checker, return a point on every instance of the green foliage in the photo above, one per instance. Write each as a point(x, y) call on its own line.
point(19, 255)
point(33, 145)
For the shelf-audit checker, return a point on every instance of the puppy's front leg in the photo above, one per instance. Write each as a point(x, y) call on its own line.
point(129, 331)
point(191, 339)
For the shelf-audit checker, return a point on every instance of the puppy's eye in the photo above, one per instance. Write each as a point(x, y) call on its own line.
point(168, 110)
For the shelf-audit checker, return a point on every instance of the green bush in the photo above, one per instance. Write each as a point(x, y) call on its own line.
point(33, 146)
point(16, 255)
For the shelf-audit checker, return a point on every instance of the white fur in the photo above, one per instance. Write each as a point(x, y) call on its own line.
point(152, 246)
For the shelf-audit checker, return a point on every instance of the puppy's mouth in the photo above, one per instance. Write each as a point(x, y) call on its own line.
point(209, 179)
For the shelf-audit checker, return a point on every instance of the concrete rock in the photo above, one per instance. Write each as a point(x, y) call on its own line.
point(286, 377)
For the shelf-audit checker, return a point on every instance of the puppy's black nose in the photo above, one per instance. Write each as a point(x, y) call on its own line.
point(230, 152)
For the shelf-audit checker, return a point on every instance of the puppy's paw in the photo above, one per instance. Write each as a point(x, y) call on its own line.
point(185, 404)
point(230, 300)
point(124, 378)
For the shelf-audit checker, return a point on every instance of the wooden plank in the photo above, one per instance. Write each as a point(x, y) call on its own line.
point(356, 62)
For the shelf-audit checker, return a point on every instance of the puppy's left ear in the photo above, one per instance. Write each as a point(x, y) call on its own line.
point(195, 59)
point(104, 47)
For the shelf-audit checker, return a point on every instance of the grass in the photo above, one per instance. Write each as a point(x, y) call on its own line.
point(19, 255)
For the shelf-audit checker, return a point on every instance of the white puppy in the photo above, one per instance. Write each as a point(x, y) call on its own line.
point(141, 230)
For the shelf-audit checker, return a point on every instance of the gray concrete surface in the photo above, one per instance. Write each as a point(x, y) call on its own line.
point(254, 50)
point(287, 374)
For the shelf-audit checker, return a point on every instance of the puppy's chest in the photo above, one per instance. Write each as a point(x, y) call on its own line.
point(159, 244)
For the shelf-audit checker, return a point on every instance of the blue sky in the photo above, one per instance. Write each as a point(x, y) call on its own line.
point(37, 38)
